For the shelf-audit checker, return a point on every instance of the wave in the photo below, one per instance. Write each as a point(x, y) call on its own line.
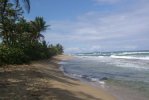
point(126, 53)
point(122, 61)
point(89, 78)
point(116, 56)
point(62, 63)
point(100, 81)
point(130, 57)
point(132, 53)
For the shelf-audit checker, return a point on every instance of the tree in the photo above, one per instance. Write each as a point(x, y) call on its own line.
point(26, 4)
point(4, 13)
point(60, 48)
point(38, 26)
point(21, 39)
point(17, 3)
point(11, 15)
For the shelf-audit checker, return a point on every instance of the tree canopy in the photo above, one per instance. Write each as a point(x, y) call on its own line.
point(22, 40)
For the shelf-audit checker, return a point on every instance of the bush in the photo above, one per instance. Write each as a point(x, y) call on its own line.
point(20, 54)
point(37, 51)
point(53, 51)
point(10, 55)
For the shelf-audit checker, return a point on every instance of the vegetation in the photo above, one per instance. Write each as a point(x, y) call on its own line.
point(21, 40)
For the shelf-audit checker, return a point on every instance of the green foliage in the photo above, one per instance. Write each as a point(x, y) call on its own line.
point(37, 51)
point(10, 55)
point(22, 40)
point(60, 48)
point(55, 50)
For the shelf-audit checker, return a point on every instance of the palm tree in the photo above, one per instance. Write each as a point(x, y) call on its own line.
point(17, 3)
point(4, 4)
point(38, 26)
point(4, 14)
point(26, 4)
point(60, 48)
point(8, 22)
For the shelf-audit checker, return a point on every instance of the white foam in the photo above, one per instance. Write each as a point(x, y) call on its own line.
point(77, 75)
point(102, 82)
point(122, 61)
point(130, 57)
point(101, 56)
point(127, 53)
point(62, 63)
point(94, 79)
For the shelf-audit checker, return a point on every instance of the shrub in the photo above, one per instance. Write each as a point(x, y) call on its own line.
point(53, 51)
point(20, 54)
point(10, 55)
point(37, 51)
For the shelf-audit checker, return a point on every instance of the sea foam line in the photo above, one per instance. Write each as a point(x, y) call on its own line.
point(130, 57)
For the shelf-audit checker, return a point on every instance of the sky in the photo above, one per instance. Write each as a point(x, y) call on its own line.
point(95, 25)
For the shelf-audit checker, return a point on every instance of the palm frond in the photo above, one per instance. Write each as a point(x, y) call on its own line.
point(26, 4)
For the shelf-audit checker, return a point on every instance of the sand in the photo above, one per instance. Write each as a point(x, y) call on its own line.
point(43, 80)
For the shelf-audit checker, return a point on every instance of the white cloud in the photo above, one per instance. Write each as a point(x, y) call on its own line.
point(107, 1)
point(73, 50)
point(95, 31)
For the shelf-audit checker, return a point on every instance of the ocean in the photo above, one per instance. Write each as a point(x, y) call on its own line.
point(125, 73)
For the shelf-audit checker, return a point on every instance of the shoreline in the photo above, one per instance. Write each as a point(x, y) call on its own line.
point(97, 93)
point(43, 80)
point(121, 91)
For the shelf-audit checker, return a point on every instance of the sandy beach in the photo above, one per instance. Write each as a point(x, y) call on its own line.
point(43, 80)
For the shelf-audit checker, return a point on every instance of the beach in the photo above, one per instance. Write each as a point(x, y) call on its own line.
point(43, 80)
point(125, 74)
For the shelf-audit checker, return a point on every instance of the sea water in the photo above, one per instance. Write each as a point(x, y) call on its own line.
point(122, 72)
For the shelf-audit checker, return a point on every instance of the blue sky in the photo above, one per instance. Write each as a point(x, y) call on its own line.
point(95, 25)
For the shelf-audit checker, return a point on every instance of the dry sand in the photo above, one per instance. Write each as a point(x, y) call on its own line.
point(42, 80)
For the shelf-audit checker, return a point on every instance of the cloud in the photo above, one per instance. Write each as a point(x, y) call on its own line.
point(107, 1)
point(126, 30)
point(73, 50)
